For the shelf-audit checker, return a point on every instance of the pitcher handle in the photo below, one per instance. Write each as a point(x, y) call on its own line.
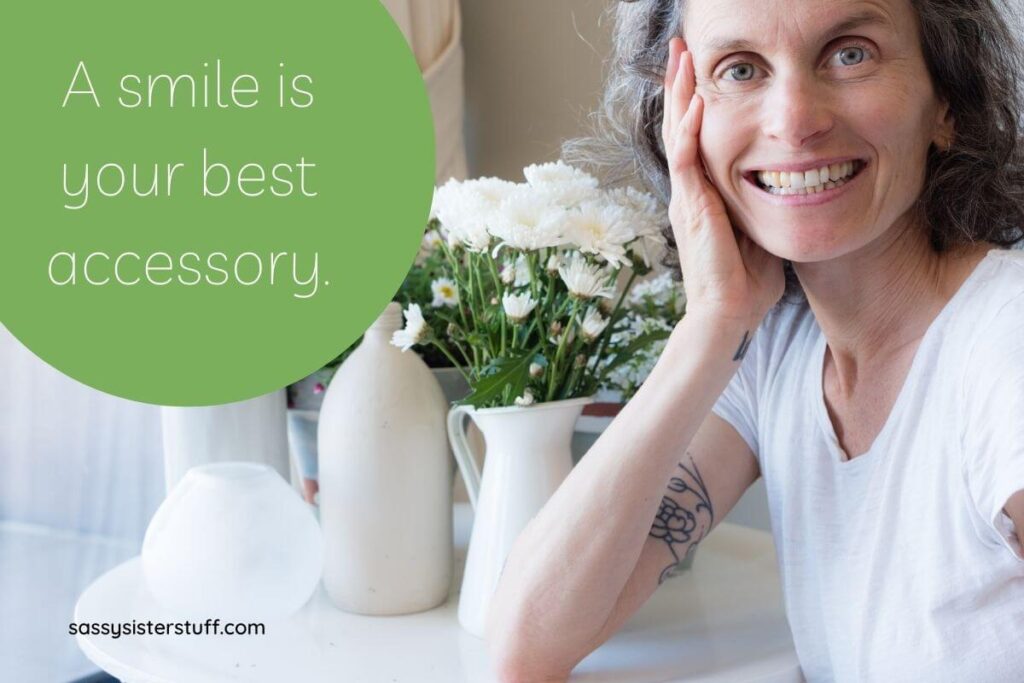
point(463, 453)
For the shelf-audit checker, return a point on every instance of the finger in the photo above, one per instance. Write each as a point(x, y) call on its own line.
point(688, 169)
point(683, 87)
point(686, 152)
point(667, 121)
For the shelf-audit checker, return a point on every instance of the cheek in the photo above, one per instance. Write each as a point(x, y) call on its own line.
point(723, 136)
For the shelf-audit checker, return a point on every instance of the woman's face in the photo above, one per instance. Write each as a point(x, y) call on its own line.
point(793, 86)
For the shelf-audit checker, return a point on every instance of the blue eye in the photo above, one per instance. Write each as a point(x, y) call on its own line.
point(851, 55)
point(743, 71)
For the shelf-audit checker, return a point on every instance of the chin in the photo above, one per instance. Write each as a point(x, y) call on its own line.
point(799, 244)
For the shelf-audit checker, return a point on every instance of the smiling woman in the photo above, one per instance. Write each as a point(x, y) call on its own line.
point(868, 157)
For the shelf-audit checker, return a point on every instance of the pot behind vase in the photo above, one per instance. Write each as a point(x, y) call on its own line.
point(247, 431)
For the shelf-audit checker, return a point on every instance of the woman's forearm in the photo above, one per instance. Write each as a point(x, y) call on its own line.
point(570, 564)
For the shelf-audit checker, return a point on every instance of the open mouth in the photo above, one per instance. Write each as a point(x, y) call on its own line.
point(814, 181)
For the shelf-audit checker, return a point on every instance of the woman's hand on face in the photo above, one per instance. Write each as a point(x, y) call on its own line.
point(726, 275)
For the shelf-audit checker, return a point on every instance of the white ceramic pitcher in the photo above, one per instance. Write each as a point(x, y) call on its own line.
point(528, 456)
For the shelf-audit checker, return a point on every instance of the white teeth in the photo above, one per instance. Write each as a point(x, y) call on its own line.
point(787, 191)
point(816, 179)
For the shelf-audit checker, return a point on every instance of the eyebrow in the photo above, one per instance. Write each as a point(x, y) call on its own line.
point(867, 18)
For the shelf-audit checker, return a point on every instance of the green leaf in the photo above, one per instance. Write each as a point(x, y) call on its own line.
point(511, 372)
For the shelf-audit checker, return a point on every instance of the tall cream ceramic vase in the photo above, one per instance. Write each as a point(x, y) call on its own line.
point(385, 480)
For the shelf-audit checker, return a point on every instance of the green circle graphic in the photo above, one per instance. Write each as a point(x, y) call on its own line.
point(206, 201)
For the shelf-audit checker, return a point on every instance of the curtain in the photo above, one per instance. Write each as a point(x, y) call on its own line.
point(71, 457)
point(433, 29)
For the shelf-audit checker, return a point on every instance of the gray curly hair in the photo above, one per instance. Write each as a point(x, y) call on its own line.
point(973, 192)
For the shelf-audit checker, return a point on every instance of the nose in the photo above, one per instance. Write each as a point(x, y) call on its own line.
point(797, 110)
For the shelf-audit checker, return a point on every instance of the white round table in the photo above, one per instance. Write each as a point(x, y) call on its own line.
point(720, 621)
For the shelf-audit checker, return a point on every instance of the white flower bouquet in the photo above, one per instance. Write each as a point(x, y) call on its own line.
point(533, 279)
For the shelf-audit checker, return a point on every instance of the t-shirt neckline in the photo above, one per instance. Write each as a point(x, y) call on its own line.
point(818, 379)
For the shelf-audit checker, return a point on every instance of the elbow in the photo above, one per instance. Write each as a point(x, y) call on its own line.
point(513, 659)
point(510, 667)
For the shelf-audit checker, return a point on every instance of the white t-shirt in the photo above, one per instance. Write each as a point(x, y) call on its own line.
point(899, 565)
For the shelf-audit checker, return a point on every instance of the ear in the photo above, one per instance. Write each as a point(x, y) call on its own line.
point(945, 127)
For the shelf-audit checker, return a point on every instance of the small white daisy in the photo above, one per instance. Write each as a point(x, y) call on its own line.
point(445, 292)
point(415, 329)
point(431, 240)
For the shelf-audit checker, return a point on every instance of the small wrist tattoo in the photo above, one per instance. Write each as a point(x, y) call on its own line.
point(744, 345)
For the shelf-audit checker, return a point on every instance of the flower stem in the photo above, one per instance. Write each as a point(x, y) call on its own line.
point(607, 333)
point(448, 355)
point(561, 348)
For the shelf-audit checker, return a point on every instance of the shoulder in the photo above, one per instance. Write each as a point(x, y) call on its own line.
point(994, 310)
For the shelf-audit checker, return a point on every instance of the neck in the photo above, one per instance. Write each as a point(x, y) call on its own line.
point(875, 303)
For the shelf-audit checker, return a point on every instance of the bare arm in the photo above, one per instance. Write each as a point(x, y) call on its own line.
point(627, 514)
point(588, 559)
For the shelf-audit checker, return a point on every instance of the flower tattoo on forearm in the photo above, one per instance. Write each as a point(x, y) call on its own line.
point(684, 518)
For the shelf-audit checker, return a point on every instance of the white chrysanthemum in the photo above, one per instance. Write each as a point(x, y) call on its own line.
point(517, 306)
point(414, 331)
point(585, 280)
point(466, 208)
point(648, 220)
point(527, 220)
point(593, 325)
point(600, 228)
point(445, 292)
point(563, 184)
point(526, 399)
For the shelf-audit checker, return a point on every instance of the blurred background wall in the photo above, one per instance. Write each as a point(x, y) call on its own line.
point(533, 72)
